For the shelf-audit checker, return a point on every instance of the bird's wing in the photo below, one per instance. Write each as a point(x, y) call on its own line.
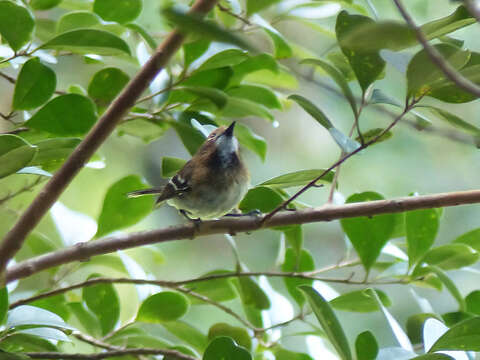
point(179, 183)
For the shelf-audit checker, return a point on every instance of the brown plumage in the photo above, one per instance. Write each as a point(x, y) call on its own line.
point(210, 184)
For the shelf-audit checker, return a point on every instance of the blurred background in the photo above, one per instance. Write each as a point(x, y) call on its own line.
point(411, 161)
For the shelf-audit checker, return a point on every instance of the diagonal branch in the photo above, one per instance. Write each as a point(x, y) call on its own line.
point(450, 72)
point(83, 251)
point(98, 134)
point(107, 354)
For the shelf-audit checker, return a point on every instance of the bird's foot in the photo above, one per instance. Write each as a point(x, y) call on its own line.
point(255, 213)
point(195, 221)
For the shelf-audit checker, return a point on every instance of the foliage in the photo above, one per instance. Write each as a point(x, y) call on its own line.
point(240, 63)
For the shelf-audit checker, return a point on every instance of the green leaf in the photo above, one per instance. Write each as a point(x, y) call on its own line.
point(297, 263)
point(35, 85)
point(106, 84)
point(282, 48)
point(299, 178)
point(260, 198)
point(454, 120)
point(143, 129)
point(451, 256)
point(31, 315)
point(240, 335)
point(445, 90)
point(193, 50)
point(218, 97)
point(359, 301)
point(88, 41)
point(44, 4)
point(144, 34)
point(15, 154)
point(138, 335)
point(251, 141)
point(77, 20)
point(415, 325)
point(53, 152)
point(191, 23)
point(3, 304)
point(65, 115)
point(366, 64)
point(366, 346)
point(183, 349)
point(163, 306)
point(237, 107)
point(133, 210)
point(122, 11)
point(368, 234)
point(258, 94)
point(454, 317)
point(187, 333)
point(24, 342)
point(464, 336)
point(421, 228)
point(218, 290)
point(284, 354)
point(458, 19)
point(191, 138)
point(338, 77)
point(223, 348)
point(294, 237)
point(313, 110)
point(373, 134)
point(225, 58)
point(45, 333)
point(171, 165)
point(254, 6)
point(253, 64)
point(103, 301)
point(16, 24)
point(252, 294)
point(56, 304)
point(449, 284)
point(433, 357)
point(330, 324)
point(471, 238)
point(379, 97)
point(472, 302)
point(422, 73)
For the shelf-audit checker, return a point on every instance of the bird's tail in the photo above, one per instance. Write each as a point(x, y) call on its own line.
point(138, 193)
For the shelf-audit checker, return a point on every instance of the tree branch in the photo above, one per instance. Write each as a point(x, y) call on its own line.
point(16, 236)
point(83, 251)
point(449, 71)
point(108, 354)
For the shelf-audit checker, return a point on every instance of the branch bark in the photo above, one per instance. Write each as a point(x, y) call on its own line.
point(108, 354)
point(83, 251)
point(46, 198)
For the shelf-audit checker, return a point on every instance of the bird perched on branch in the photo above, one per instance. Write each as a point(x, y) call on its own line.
point(211, 184)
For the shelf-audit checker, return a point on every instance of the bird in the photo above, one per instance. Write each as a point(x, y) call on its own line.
point(211, 184)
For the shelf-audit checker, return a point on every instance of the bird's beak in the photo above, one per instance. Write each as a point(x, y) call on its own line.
point(229, 130)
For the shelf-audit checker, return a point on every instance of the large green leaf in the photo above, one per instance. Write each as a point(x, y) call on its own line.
point(313, 110)
point(368, 234)
point(297, 263)
point(3, 304)
point(190, 137)
point(31, 315)
point(451, 256)
point(338, 77)
point(171, 165)
point(106, 84)
point(251, 141)
point(471, 238)
point(223, 348)
point(65, 115)
point(122, 11)
point(133, 210)
point(254, 6)
point(284, 354)
point(464, 336)
point(103, 301)
point(15, 154)
point(44, 4)
point(239, 334)
point(366, 64)
point(299, 178)
point(422, 73)
point(282, 48)
point(445, 90)
point(229, 57)
point(77, 20)
point(35, 85)
point(446, 281)
point(255, 93)
point(252, 294)
point(421, 229)
point(366, 346)
point(260, 198)
point(163, 306)
point(194, 49)
point(187, 333)
point(53, 152)
point(359, 301)
point(217, 290)
point(330, 324)
point(88, 41)
point(16, 24)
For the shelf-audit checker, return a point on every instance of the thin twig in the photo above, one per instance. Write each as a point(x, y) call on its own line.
point(449, 71)
point(108, 354)
point(95, 342)
point(231, 13)
point(26, 188)
point(10, 79)
point(282, 206)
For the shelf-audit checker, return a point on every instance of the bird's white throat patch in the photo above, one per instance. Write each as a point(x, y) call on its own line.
point(226, 146)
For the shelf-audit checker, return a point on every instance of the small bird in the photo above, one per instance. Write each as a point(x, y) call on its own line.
point(209, 185)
